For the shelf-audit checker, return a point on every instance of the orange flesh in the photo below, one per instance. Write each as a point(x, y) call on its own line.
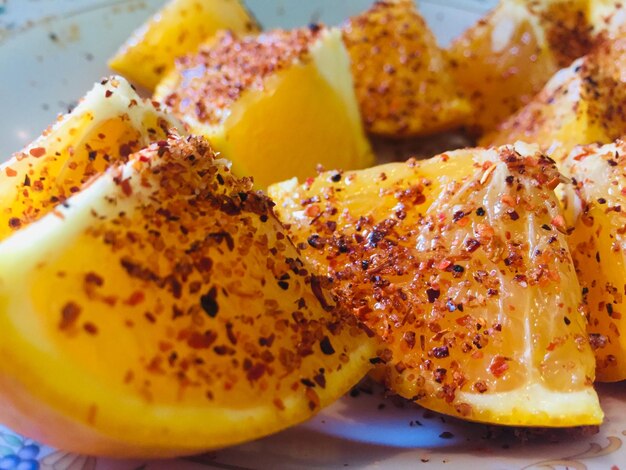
point(46, 177)
point(266, 124)
point(455, 316)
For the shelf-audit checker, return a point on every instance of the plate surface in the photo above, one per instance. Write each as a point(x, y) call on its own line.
point(51, 52)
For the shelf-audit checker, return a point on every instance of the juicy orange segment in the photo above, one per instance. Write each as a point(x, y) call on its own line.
point(163, 311)
point(176, 30)
point(579, 105)
point(460, 265)
point(597, 248)
point(109, 124)
point(276, 105)
point(508, 56)
point(402, 77)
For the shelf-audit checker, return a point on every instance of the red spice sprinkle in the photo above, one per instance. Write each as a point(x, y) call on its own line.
point(498, 366)
point(471, 244)
point(14, 222)
point(90, 328)
point(255, 372)
point(441, 352)
point(37, 152)
point(69, 315)
point(559, 223)
point(127, 189)
point(93, 278)
point(444, 264)
point(10, 172)
point(433, 294)
point(135, 298)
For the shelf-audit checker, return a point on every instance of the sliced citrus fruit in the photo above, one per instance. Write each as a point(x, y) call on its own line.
point(175, 30)
point(402, 78)
point(163, 311)
point(460, 266)
point(508, 56)
point(579, 105)
point(109, 123)
point(276, 105)
point(597, 244)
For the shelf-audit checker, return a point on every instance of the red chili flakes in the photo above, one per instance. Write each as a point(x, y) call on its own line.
point(480, 387)
point(209, 303)
point(37, 152)
point(255, 372)
point(326, 346)
point(127, 189)
point(471, 245)
point(235, 65)
point(95, 279)
point(201, 340)
point(498, 366)
point(314, 399)
point(10, 172)
point(125, 150)
point(409, 338)
point(135, 298)
point(433, 294)
point(90, 328)
point(444, 264)
point(312, 211)
point(69, 315)
point(441, 352)
point(559, 223)
point(15, 223)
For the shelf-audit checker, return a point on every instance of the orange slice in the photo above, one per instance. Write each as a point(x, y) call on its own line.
point(163, 311)
point(276, 105)
point(460, 265)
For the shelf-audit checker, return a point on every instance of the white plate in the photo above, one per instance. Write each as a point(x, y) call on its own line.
point(51, 51)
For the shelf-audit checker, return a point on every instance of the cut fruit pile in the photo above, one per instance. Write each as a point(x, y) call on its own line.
point(162, 311)
point(153, 302)
point(460, 265)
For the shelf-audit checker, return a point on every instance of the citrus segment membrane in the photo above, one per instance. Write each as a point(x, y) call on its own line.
point(460, 265)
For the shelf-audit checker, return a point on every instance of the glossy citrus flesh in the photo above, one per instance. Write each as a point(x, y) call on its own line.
point(109, 124)
point(300, 114)
point(176, 30)
point(402, 78)
point(597, 243)
point(163, 311)
point(508, 56)
point(581, 104)
point(460, 266)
